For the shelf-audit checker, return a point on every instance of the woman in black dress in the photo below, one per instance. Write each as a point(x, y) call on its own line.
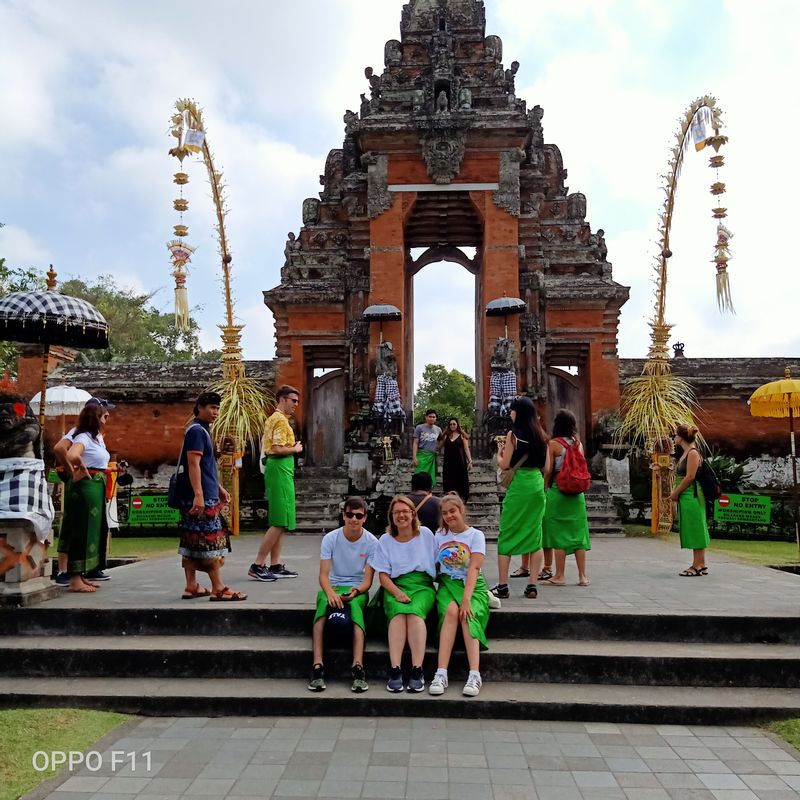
point(457, 461)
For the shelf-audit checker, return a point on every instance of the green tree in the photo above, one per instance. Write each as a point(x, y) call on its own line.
point(451, 393)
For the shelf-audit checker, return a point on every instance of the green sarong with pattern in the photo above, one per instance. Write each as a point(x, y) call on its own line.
point(357, 606)
point(427, 463)
point(452, 591)
point(419, 587)
point(279, 484)
point(84, 522)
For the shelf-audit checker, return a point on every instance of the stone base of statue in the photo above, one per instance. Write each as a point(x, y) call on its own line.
point(24, 567)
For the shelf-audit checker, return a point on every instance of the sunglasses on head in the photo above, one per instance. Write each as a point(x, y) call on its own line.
point(354, 515)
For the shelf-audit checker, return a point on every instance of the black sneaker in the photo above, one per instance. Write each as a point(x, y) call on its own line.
point(394, 682)
point(500, 591)
point(280, 571)
point(97, 575)
point(416, 683)
point(317, 682)
point(359, 679)
point(62, 580)
point(260, 573)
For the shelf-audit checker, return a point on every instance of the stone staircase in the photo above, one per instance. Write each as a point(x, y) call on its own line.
point(318, 492)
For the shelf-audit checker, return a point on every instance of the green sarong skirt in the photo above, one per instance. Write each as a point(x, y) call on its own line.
point(84, 523)
point(565, 526)
point(522, 514)
point(692, 519)
point(452, 591)
point(279, 483)
point(419, 587)
point(427, 463)
point(357, 606)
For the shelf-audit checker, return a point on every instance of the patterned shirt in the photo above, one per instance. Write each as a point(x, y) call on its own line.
point(278, 432)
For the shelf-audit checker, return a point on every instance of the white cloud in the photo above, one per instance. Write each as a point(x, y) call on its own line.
point(20, 249)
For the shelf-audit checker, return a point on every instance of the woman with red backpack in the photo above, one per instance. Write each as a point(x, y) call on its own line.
point(566, 526)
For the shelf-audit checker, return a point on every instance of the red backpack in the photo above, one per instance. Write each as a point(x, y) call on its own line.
point(573, 477)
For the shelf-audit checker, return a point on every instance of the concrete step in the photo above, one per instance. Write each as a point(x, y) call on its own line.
point(216, 697)
point(555, 661)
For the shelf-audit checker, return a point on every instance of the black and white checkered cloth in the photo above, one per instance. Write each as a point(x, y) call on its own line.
point(387, 398)
point(23, 494)
point(502, 390)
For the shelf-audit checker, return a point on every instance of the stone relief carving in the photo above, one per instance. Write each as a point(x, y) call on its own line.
point(442, 103)
point(293, 245)
point(333, 177)
point(443, 150)
point(354, 205)
point(418, 99)
point(576, 206)
point(510, 77)
point(507, 195)
point(379, 198)
point(392, 53)
point(374, 83)
point(465, 99)
point(310, 211)
point(364, 108)
point(533, 203)
point(350, 122)
point(493, 46)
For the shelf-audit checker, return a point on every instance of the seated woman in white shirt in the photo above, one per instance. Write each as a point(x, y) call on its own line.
point(404, 561)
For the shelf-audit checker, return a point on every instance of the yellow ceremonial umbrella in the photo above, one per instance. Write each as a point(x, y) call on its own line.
point(781, 399)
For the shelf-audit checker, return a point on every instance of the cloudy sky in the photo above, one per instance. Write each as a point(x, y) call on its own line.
point(86, 183)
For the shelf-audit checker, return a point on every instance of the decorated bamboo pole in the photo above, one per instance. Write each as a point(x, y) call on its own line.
point(245, 404)
point(656, 401)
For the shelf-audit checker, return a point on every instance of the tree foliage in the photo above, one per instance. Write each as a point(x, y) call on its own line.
point(138, 330)
point(451, 393)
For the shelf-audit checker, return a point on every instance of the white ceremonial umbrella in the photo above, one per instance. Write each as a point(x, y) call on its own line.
point(61, 401)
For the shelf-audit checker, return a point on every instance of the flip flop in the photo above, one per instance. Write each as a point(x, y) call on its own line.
point(521, 572)
point(200, 592)
point(551, 582)
point(584, 583)
point(226, 594)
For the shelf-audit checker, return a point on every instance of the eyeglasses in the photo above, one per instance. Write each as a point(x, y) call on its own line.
point(354, 515)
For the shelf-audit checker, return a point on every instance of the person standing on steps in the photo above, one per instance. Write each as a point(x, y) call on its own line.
point(280, 448)
point(425, 445)
point(688, 494)
point(456, 459)
point(345, 578)
point(566, 526)
point(524, 450)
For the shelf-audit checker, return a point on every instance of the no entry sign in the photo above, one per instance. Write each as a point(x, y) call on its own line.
point(747, 509)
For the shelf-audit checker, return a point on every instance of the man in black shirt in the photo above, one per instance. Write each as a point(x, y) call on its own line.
point(427, 505)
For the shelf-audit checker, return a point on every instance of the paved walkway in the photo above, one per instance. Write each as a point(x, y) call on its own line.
point(432, 759)
point(628, 575)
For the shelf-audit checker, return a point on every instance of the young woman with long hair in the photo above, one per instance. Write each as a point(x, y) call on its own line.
point(457, 459)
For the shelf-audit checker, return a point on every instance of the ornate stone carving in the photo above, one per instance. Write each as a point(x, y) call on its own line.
point(374, 86)
point(358, 331)
point(365, 108)
point(576, 206)
point(392, 53)
point(529, 281)
point(493, 47)
point(350, 122)
point(510, 76)
point(334, 175)
point(418, 99)
point(465, 99)
point(442, 102)
point(379, 198)
point(293, 245)
point(310, 211)
point(443, 150)
point(354, 205)
point(529, 325)
point(507, 195)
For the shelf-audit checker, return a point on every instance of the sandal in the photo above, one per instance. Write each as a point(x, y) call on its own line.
point(693, 572)
point(198, 591)
point(226, 594)
point(531, 592)
point(545, 574)
point(521, 573)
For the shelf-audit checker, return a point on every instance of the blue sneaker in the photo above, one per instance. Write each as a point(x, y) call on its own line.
point(97, 575)
point(260, 573)
point(416, 683)
point(395, 680)
point(62, 580)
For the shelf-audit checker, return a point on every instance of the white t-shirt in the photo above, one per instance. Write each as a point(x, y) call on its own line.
point(399, 558)
point(348, 559)
point(453, 551)
point(95, 455)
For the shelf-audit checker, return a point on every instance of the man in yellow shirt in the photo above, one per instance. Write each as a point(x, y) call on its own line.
point(279, 447)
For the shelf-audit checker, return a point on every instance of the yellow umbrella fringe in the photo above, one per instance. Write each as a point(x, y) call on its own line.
point(243, 411)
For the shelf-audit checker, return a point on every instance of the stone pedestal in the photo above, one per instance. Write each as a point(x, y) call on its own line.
point(24, 569)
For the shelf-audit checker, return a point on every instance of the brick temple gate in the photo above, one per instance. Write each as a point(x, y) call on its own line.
point(441, 156)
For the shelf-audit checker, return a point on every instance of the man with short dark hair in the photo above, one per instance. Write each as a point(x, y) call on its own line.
point(280, 448)
point(426, 444)
point(426, 504)
point(345, 578)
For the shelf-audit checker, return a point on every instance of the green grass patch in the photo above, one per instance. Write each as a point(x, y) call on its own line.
point(751, 551)
point(23, 732)
point(789, 730)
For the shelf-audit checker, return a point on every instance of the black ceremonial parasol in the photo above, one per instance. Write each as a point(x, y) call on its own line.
point(503, 306)
point(382, 312)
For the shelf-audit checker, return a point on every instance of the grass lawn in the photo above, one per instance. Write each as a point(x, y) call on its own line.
point(788, 729)
point(751, 551)
point(23, 732)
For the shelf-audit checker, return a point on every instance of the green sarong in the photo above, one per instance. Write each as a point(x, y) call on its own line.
point(279, 484)
point(419, 587)
point(357, 606)
point(522, 514)
point(84, 523)
point(692, 523)
point(427, 463)
point(565, 526)
point(452, 591)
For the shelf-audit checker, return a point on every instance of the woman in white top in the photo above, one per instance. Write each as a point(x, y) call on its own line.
point(404, 561)
point(84, 521)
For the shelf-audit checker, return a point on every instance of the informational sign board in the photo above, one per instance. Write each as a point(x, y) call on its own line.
point(748, 509)
point(151, 509)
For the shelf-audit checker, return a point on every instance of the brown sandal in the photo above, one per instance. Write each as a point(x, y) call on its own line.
point(198, 591)
point(225, 594)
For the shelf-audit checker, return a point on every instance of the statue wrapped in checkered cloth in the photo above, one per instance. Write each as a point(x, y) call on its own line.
point(503, 381)
point(387, 403)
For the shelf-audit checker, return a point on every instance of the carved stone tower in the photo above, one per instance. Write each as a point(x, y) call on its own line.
point(443, 155)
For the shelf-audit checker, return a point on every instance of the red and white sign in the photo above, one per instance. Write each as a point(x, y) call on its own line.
point(136, 502)
point(724, 501)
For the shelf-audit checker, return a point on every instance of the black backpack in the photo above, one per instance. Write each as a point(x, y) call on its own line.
point(709, 483)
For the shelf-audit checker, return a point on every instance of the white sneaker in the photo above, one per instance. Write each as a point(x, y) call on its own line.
point(494, 602)
point(438, 684)
point(473, 685)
